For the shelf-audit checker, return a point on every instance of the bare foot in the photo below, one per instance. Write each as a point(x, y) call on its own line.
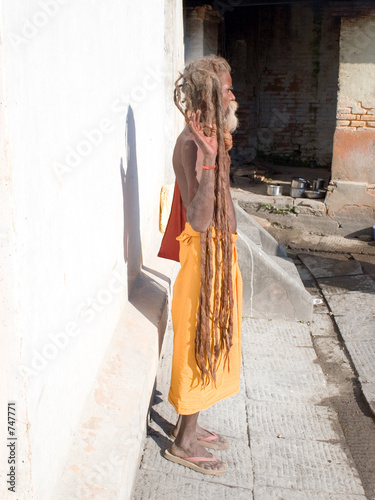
point(215, 441)
point(202, 433)
point(196, 450)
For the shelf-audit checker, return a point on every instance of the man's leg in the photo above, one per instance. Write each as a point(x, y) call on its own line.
point(200, 432)
point(213, 440)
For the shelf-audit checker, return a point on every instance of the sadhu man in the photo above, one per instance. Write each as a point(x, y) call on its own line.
point(207, 294)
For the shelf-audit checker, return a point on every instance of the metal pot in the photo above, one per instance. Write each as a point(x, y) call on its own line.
point(315, 194)
point(274, 190)
point(299, 183)
point(296, 192)
point(298, 187)
point(318, 184)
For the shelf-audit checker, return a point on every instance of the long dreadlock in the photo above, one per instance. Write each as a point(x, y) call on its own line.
point(200, 87)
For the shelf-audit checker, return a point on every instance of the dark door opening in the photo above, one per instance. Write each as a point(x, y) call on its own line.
point(285, 60)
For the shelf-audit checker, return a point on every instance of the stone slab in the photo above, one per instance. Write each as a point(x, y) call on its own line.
point(278, 367)
point(328, 255)
point(237, 457)
point(302, 239)
point(355, 304)
point(284, 391)
point(369, 393)
point(282, 358)
point(347, 284)
point(322, 325)
point(356, 327)
point(297, 421)
point(278, 332)
point(264, 493)
point(354, 315)
point(342, 244)
point(151, 487)
point(362, 353)
point(266, 361)
point(297, 381)
point(304, 465)
point(337, 265)
point(280, 362)
point(304, 273)
point(367, 263)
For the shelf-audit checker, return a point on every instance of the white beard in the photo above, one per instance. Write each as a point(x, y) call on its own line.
point(230, 119)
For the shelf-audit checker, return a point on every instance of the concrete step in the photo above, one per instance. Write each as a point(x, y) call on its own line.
point(301, 222)
point(272, 286)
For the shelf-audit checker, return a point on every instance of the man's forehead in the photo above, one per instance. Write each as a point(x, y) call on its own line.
point(226, 79)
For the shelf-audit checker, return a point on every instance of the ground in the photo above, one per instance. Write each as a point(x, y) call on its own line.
point(355, 415)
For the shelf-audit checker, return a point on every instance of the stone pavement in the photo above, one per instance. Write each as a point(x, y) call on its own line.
point(285, 441)
point(347, 283)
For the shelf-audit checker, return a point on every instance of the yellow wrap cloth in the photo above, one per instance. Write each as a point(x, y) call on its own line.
point(186, 393)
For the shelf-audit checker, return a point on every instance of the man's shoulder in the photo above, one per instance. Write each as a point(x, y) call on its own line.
point(184, 136)
point(186, 141)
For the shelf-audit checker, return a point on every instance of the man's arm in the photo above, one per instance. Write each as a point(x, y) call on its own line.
point(197, 153)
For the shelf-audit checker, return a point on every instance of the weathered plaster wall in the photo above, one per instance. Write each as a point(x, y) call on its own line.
point(285, 61)
point(352, 194)
point(84, 157)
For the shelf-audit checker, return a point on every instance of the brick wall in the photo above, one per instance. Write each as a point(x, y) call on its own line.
point(355, 117)
point(285, 62)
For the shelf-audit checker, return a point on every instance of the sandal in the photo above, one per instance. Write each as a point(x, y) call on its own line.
point(193, 463)
point(214, 442)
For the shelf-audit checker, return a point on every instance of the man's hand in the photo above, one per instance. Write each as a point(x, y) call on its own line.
point(208, 144)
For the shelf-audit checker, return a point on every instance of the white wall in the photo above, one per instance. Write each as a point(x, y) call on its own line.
point(85, 110)
point(350, 199)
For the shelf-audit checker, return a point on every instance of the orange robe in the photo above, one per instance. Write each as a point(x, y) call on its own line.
point(186, 393)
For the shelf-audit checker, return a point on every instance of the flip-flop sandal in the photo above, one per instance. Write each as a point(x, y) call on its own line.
point(214, 442)
point(193, 462)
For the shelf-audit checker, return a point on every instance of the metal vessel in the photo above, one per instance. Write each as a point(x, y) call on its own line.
point(297, 187)
point(274, 190)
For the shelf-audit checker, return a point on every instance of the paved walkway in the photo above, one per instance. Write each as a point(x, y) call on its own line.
point(285, 442)
point(347, 283)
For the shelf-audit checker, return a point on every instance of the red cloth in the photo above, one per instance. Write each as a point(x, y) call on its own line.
point(170, 247)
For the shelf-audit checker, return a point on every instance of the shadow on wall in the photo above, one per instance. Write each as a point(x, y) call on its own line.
point(368, 231)
point(130, 190)
point(144, 293)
